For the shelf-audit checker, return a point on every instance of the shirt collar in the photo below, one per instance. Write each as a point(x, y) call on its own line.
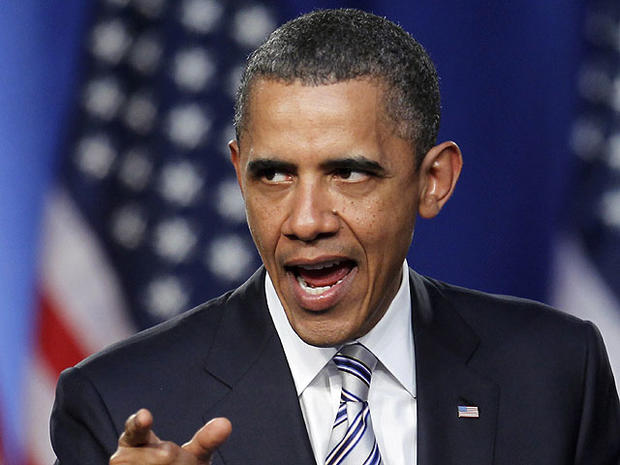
point(391, 340)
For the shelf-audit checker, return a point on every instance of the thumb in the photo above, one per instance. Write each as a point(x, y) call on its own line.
point(208, 438)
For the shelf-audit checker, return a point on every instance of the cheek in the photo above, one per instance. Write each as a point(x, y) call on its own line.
point(382, 221)
point(263, 222)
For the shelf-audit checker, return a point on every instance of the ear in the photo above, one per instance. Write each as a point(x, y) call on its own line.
point(438, 174)
point(235, 158)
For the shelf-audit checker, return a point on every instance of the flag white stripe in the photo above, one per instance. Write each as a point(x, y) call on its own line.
point(40, 398)
point(79, 279)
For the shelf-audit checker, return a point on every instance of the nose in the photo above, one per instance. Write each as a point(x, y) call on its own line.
point(311, 214)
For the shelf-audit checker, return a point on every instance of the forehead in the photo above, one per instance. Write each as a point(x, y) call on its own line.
point(271, 93)
point(353, 105)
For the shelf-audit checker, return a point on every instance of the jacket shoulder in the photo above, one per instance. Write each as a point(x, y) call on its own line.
point(496, 316)
point(184, 334)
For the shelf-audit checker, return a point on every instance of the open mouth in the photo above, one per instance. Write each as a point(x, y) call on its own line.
point(320, 285)
point(316, 279)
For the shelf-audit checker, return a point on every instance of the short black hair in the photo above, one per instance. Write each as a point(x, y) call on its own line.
point(330, 46)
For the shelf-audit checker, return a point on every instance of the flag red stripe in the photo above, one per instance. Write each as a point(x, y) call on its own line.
point(57, 346)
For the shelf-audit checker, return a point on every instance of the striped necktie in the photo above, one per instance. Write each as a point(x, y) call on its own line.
point(353, 441)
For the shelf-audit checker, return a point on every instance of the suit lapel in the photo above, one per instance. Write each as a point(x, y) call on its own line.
point(251, 384)
point(444, 345)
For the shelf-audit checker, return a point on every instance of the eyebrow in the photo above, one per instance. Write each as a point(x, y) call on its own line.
point(356, 163)
point(257, 167)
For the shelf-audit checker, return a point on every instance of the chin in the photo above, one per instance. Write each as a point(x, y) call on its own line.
point(323, 338)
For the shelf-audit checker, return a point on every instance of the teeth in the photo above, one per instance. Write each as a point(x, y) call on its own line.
point(315, 290)
point(319, 266)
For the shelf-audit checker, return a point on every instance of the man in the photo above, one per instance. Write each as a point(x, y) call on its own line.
point(335, 154)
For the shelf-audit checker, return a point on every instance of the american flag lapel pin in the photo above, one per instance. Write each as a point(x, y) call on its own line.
point(468, 411)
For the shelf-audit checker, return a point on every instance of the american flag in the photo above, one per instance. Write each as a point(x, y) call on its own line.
point(146, 219)
point(467, 411)
point(588, 257)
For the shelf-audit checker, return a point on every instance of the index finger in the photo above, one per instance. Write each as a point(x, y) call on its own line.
point(138, 430)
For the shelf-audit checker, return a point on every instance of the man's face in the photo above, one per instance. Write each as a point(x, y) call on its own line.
point(331, 196)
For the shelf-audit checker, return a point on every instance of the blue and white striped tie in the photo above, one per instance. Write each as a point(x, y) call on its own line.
point(353, 441)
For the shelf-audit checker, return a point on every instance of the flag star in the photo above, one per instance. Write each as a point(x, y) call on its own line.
point(174, 239)
point(140, 113)
point(252, 25)
point(613, 151)
point(95, 155)
point(230, 203)
point(595, 84)
point(180, 183)
point(229, 257)
point(149, 8)
point(201, 15)
point(193, 68)
point(103, 97)
point(187, 125)
point(610, 208)
point(110, 41)
point(166, 297)
point(586, 138)
point(135, 170)
point(128, 226)
point(146, 53)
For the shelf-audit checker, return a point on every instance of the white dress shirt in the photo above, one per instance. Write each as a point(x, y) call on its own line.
point(392, 394)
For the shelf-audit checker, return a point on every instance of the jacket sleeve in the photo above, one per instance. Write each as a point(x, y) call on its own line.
point(598, 442)
point(81, 428)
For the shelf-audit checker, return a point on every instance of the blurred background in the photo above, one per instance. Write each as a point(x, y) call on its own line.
point(118, 208)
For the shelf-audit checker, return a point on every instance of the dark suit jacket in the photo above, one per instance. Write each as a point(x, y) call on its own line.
point(540, 379)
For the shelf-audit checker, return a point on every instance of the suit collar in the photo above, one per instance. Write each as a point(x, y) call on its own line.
point(444, 345)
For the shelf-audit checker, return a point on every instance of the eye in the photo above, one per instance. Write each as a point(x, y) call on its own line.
point(351, 175)
point(274, 176)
